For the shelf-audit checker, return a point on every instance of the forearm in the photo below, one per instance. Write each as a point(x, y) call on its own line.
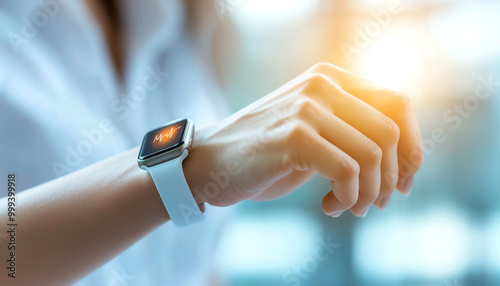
point(70, 226)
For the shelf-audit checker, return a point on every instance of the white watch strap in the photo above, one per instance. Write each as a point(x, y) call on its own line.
point(174, 191)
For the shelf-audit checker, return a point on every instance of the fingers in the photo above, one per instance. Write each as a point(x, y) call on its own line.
point(383, 131)
point(364, 118)
point(331, 205)
point(354, 143)
point(393, 104)
point(410, 154)
point(305, 150)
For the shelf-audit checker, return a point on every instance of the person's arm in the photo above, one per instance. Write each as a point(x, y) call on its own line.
point(70, 226)
point(363, 138)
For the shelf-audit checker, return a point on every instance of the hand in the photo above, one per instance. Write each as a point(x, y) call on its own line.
point(361, 137)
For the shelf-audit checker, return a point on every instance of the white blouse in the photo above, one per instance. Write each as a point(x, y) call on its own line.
point(62, 108)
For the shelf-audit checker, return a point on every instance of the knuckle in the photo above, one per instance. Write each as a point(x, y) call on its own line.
point(373, 153)
point(318, 78)
point(417, 157)
point(322, 67)
point(294, 144)
point(293, 159)
point(296, 133)
point(349, 169)
point(316, 82)
point(391, 130)
point(306, 108)
point(401, 101)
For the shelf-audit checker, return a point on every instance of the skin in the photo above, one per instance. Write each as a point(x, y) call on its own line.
point(311, 125)
point(361, 137)
point(325, 121)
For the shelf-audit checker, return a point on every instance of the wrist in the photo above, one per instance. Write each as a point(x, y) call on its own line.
point(142, 188)
point(162, 154)
point(191, 169)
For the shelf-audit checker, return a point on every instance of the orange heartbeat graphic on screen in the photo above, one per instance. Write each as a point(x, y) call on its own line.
point(166, 135)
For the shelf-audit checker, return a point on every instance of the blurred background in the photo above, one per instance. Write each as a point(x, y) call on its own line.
point(445, 55)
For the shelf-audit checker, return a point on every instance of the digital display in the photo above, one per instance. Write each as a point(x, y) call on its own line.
point(162, 139)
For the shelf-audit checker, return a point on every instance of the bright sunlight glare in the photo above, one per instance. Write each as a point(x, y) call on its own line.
point(392, 61)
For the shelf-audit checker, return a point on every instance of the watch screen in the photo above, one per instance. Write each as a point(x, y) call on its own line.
point(163, 139)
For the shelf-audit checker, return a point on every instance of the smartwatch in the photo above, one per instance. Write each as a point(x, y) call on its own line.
point(162, 152)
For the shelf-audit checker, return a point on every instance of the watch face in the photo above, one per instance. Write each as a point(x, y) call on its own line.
point(163, 139)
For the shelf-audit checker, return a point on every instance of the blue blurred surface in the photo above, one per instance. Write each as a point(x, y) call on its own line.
point(448, 231)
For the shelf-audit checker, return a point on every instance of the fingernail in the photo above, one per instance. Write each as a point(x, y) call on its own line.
point(406, 193)
point(384, 202)
point(406, 189)
point(365, 211)
point(336, 214)
point(401, 184)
